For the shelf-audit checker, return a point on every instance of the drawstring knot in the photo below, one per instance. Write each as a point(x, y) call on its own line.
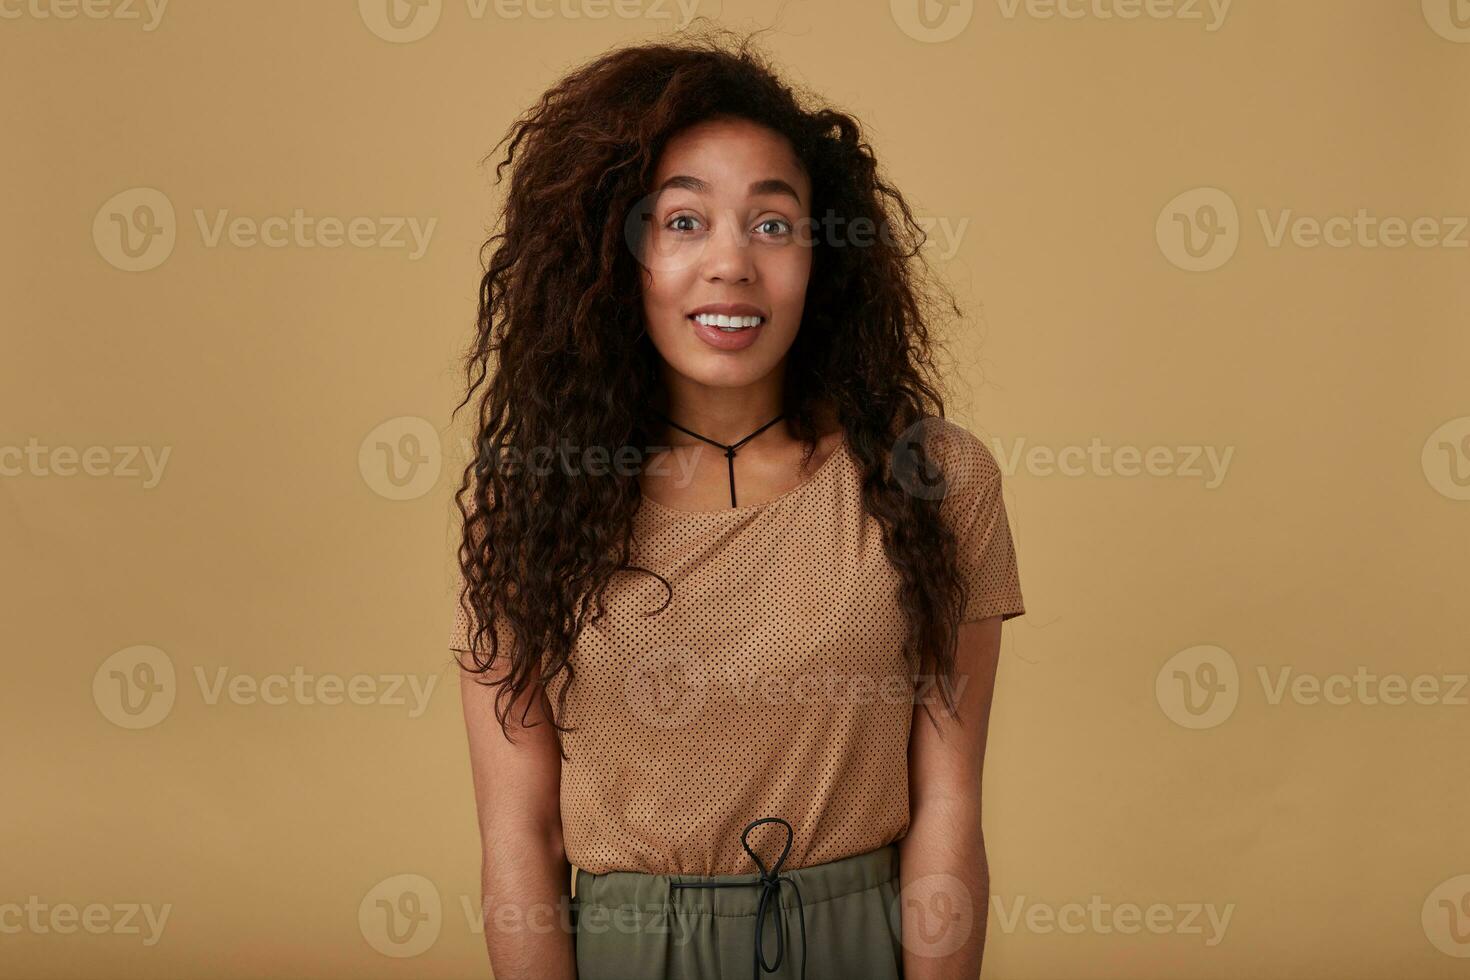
point(770, 882)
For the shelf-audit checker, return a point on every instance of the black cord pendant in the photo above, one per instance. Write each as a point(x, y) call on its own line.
point(729, 449)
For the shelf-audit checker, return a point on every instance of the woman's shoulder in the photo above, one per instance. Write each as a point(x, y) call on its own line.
point(964, 463)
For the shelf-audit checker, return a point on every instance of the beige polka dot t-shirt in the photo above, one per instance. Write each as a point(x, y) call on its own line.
point(773, 684)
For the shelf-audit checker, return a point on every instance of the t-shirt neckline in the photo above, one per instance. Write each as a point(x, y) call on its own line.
point(821, 471)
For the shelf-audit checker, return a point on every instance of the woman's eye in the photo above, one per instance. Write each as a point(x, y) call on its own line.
point(782, 226)
point(672, 222)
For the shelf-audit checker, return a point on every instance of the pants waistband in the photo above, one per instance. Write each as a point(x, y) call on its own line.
point(761, 894)
point(818, 883)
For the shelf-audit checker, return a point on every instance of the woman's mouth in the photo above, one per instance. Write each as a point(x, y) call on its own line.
point(727, 332)
point(729, 324)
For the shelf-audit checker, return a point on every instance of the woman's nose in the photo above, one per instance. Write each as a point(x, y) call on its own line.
point(727, 254)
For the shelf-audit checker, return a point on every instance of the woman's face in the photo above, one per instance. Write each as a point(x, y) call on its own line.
point(728, 234)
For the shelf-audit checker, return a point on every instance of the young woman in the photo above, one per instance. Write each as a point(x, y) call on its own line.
point(731, 588)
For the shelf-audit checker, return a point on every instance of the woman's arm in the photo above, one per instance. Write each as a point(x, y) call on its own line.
point(944, 878)
point(525, 877)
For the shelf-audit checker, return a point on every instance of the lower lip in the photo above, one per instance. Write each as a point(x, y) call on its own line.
point(719, 339)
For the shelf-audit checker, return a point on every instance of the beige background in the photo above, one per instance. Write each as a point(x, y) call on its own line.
point(1334, 835)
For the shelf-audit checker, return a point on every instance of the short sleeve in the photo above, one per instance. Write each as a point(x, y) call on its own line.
point(459, 629)
point(987, 555)
point(464, 622)
point(974, 508)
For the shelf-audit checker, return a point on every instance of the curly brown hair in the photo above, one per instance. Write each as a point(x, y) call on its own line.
point(559, 313)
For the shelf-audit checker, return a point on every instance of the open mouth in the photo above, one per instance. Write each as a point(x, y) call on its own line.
point(727, 324)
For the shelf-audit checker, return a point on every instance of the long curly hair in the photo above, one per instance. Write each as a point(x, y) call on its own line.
point(560, 355)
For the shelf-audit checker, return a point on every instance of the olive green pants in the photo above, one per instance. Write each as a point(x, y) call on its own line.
point(633, 926)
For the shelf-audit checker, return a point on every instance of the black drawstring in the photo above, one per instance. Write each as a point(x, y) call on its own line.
point(729, 450)
point(770, 882)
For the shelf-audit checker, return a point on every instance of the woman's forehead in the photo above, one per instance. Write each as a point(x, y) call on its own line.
point(731, 156)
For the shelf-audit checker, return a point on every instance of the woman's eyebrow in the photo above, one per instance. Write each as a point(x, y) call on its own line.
point(771, 185)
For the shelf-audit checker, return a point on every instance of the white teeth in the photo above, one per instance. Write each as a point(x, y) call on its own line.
point(729, 324)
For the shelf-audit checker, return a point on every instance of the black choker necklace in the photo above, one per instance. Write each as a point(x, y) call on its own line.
point(729, 450)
